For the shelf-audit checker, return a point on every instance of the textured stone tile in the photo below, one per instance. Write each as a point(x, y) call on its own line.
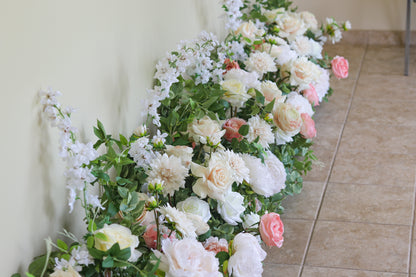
point(393, 88)
point(273, 270)
point(295, 239)
point(335, 110)
point(363, 246)
point(395, 113)
point(374, 168)
point(368, 203)
point(309, 271)
point(377, 137)
point(327, 135)
point(305, 204)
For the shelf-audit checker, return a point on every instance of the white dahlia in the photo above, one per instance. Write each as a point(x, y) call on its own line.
point(260, 128)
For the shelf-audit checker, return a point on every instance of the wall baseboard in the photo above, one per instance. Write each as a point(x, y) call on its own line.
point(373, 37)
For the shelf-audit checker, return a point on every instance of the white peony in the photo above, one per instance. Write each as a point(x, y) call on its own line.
point(247, 258)
point(240, 172)
point(170, 171)
point(116, 233)
point(206, 131)
point(260, 128)
point(301, 104)
point(322, 84)
point(187, 257)
point(260, 62)
point(231, 208)
point(194, 205)
point(277, 170)
point(214, 181)
point(251, 220)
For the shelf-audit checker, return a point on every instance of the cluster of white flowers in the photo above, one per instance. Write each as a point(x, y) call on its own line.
point(75, 153)
point(79, 257)
point(233, 13)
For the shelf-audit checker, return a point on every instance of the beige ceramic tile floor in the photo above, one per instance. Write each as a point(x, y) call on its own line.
point(356, 215)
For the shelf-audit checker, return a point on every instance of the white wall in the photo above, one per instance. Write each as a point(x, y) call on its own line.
point(101, 54)
point(363, 14)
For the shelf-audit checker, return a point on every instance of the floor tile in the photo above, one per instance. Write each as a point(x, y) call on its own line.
point(305, 204)
point(396, 113)
point(413, 259)
point(368, 203)
point(309, 271)
point(333, 111)
point(393, 88)
point(374, 168)
point(295, 239)
point(327, 135)
point(359, 246)
point(273, 270)
point(388, 60)
point(377, 137)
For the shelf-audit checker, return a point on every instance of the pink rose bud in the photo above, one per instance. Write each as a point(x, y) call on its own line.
point(307, 130)
point(311, 95)
point(271, 229)
point(340, 67)
point(232, 126)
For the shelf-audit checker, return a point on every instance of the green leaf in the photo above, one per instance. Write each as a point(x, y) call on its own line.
point(36, 267)
point(97, 254)
point(124, 254)
point(269, 107)
point(101, 236)
point(16, 275)
point(92, 227)
point(90, 242)
point(259, 97)
point(114, 250)
point(244, 130)
point(222, 256)
point(123, 140)
point(99, 134)
point(62, 245)
point(108, 262)
point(100, 126)
point(29, 275)
point(123, 192)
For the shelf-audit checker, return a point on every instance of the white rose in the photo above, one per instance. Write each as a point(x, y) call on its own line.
point(249, 79)
point(214, 181)
point(187, 257)
point(194, 205)
point(290, 25)
point(248, 30)
point(310, 20)
point(70, 272)
point(300, 103)
point(235, 92)
point(302, 72)
point(251, 220)
point(206, 131)
point(270, 91)
point(183, 152)
point(116, 233)
point(231, 208)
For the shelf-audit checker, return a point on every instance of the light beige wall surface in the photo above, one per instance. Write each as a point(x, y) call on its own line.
point(101, 55)
point(363, 14)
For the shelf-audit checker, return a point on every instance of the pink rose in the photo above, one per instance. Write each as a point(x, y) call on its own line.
point(340, 67)
point(307, 130)
point(150, 236)
point(311, 95)
point(229, 64)
point(232, 126)
point(271, 229)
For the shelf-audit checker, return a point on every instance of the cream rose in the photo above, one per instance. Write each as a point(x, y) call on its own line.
point(302, 72)
point(290, 25)
point(70, 272)
point(194, 205)
point(270, 91)
point(187, 257)
point(301, 104)
point(116, 233)
point(231, 208)
point(310, 20)
point(235, 92)
point(287, 118)
point(206, 131)
point(214, 181)
point(248, 30)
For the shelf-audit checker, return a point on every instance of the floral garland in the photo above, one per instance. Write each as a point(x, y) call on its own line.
point(234, 127)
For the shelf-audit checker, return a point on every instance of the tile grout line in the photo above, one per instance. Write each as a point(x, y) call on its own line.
point(330, 167)
point(412, 230)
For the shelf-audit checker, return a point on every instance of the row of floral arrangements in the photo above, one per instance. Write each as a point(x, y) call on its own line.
point(202, 194)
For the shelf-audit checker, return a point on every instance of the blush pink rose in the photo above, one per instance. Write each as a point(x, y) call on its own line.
point(271, 229)
point(311, 95)
point(307, 130)
point(150, 236)
point(340, 67)
point(232, 126)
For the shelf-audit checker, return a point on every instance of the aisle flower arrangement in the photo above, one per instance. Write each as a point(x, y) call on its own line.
point(232, 125)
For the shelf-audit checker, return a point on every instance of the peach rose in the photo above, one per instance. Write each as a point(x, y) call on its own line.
point(287, 118)
point(340, 67)
point(232, 126)
point(271, 229)
point(230, 65)
point(311, 95)
point(307, 130)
